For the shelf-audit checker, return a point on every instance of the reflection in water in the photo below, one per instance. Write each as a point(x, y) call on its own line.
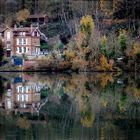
point(71, 107)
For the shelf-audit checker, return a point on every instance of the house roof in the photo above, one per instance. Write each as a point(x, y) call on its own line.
point(28, 30)
point(20, 29)
point(25, 29)
point(1, 30)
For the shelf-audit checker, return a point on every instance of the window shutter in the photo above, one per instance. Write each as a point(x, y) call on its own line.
point(17, 49)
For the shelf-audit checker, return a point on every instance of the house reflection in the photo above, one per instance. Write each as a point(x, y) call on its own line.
point(22, 95)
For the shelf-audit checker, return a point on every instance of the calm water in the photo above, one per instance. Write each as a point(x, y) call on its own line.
point(94, 106)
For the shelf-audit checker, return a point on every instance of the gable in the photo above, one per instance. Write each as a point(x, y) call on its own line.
point(36, 32)
point(8, 34)
point(7, 29)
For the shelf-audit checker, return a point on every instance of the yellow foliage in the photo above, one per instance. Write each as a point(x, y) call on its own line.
point(105, 79)
point(22, 15)
point(79, 39)
point(136, 48)
point(23, 123)
point(122, 108)
point(103, 61)
point(122, 31)
point(104, 40)
point(87, 24)
point(104, 103)
point(134, 90)
point(104, 65)
point(102, 4)
point(70, 54)
point(87, 121)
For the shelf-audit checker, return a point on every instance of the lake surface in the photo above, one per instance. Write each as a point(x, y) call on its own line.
point(86, 106)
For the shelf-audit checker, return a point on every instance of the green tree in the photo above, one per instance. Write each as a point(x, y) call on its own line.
point(104, 45)
point(123, 41)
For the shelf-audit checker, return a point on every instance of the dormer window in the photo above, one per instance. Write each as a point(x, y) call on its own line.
point(35, 33)
point(22, 33)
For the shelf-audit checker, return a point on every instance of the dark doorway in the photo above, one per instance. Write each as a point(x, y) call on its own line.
point(8, 53)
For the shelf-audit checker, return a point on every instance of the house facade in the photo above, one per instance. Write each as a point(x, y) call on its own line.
point(21, 41)
point(22, 95)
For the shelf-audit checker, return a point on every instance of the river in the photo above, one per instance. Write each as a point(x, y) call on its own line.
point(85, 106)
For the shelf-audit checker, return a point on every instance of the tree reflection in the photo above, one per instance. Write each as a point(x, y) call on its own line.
point(64, 101)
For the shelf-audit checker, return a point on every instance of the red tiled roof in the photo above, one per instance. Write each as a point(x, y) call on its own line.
point(1, 29)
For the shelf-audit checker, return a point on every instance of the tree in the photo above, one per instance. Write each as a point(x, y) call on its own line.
point(86, 24)
point(22, 15)
point(127, 9)
point(122, 40)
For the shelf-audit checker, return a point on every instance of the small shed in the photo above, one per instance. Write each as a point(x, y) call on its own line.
point(18, 61)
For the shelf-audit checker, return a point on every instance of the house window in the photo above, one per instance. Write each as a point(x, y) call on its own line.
point(20, 49)
point(20, 41)
point(24, 49)
point(8, 46)
point(8, 36)
point(35, 33)
point(24, 33)
point(24, 41)
point(9, 104)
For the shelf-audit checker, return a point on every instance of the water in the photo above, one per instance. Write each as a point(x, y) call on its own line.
point(91, 106)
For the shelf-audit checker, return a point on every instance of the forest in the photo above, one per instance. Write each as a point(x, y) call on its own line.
point(94, 35)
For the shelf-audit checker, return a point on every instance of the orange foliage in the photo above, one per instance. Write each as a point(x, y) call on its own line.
point(104, 65)
point(137, 48)
point(22, 15)
point(105, 79)
point(70, 54)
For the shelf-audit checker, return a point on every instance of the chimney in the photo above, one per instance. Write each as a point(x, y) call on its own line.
point(31, 28)
point(15, 27)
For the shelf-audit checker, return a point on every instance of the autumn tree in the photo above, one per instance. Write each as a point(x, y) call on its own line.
point(22, 15)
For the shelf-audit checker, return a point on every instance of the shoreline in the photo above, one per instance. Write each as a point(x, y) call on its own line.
point(69, 71)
